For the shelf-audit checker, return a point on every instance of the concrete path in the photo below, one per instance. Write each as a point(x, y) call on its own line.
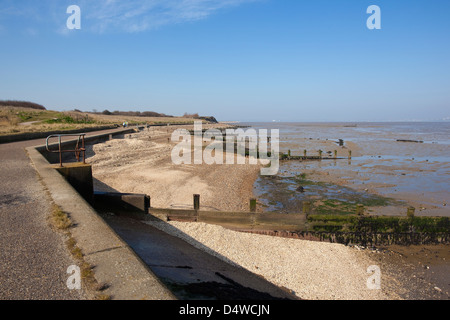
point(33, 257)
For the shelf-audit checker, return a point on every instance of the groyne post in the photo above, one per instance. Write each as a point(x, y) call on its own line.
point(196, 202)
point(252, 205)
point(410, 212)
point(306, 207)
point(359, 209)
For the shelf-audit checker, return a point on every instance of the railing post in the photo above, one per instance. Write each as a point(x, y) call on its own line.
point(84, 150)
point(60, 153)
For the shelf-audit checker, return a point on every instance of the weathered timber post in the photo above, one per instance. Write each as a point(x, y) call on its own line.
point(252, 205)
point(410, 212)
point(349, 154)
point(359, 209)
point(306, 207)
point(335, 153)
point(196, 201)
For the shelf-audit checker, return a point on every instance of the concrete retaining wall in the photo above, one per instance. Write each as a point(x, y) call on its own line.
point(39, 135)
point(236, 220)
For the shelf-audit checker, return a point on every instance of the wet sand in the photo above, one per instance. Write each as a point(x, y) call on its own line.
point(423, 271)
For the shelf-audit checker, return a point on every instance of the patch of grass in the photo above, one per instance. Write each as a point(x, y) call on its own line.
point(335, 207)
point(35, 115)
point(301, 180)
point(376, 201)
point(74, 249)
point(62, 118)
point(61, 221)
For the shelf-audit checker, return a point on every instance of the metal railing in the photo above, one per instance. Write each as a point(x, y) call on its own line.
point(78, 150)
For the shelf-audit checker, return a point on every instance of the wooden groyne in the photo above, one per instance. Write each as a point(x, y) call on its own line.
point(352, 229)
point(360, 238)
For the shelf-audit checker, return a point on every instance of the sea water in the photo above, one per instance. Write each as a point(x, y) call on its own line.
point(402, 170)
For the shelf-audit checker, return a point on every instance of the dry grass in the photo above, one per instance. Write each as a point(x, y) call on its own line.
point(16, 120)
point(108, 119)
point(61, 221)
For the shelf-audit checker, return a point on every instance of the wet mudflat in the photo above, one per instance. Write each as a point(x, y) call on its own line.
point(423, 271)
point(287, 193)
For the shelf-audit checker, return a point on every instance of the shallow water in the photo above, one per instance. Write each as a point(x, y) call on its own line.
point(406, 171)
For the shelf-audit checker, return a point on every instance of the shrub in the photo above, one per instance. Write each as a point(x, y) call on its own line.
point(23, 104)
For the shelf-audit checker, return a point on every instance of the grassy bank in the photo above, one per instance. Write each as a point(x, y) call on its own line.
point(19, 120)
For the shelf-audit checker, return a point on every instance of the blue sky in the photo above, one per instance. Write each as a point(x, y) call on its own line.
point(247, 60)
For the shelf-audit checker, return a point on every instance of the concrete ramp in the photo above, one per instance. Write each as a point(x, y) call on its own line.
point(189, 272)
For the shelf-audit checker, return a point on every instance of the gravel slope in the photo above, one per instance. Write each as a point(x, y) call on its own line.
point(312, 270)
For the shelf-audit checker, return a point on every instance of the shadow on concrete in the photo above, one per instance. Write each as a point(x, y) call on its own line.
point(191, 270)
point(101, 186)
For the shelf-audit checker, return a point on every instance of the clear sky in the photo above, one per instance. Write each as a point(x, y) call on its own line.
point(247, 60)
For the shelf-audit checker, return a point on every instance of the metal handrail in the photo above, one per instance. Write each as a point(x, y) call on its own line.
point(77, 149)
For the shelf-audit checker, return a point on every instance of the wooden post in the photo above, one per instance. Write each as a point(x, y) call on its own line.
point(304, 153)
point(306, 207)
point(320, 154)
point(410, 212)
point(196, 201)
point(359, 209)
point(335, 153)
point(289, 153)
point(252, 205)
point(349, 154)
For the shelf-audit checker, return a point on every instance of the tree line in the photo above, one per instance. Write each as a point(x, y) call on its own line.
point(23, 104)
